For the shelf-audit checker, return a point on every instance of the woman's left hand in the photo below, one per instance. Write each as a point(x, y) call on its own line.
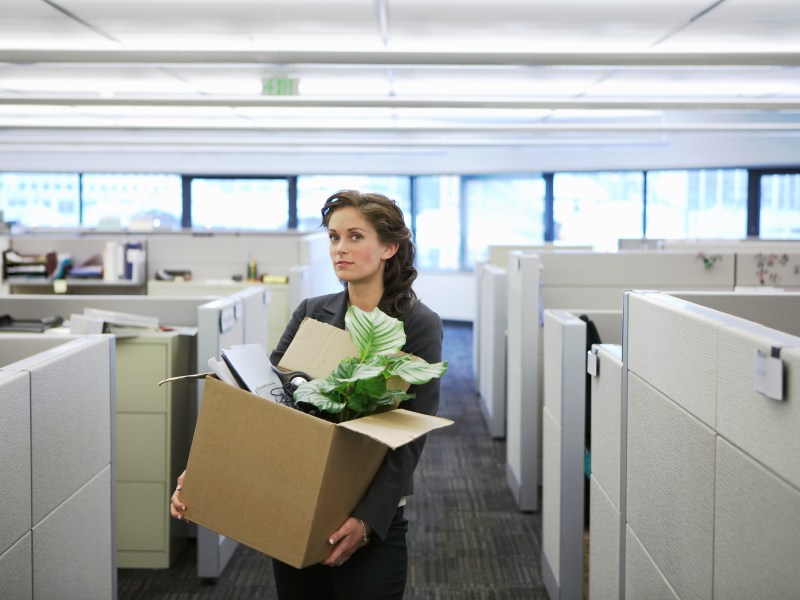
point(345, 541)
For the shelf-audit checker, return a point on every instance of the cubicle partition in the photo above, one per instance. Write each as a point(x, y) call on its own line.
point(564, 424)
point(170, 311)
point(214, 259)
point(57, 467)
point(497, 258)
point(709, 491)
point(492, 363)
point(304, 261)
point(574, 280)
point(241, 318)
point(604, 482)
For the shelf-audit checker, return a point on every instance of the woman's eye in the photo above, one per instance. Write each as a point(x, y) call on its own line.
point(355, 236)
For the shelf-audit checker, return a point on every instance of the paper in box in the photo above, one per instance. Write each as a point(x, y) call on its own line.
point(277, 479)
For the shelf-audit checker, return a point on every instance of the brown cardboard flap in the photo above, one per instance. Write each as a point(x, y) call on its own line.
point(396, 428)
point(317, 349)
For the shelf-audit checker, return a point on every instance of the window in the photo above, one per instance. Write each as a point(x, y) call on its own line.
point(313, 190)
point(501, 210)
point(704, 203)
point(597, 208)
point(40, 199)
point(132, 200)
point(438, 223)
point(780, 207)
point(246, 203)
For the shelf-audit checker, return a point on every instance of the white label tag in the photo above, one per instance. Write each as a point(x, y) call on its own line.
point(59, 286)
point(768, 375)
point(591, 363)
point(227, 319)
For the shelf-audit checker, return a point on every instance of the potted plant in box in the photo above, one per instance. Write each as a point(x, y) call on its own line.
point(372, 380)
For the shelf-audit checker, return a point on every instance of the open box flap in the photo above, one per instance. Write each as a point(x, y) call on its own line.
point(397, 427)
point(317, 349)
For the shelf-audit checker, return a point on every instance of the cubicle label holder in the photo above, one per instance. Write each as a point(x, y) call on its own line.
point(591, 362)
point(227, 318)
point(768, 374)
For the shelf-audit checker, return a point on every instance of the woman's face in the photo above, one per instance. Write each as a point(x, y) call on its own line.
point(356, 251)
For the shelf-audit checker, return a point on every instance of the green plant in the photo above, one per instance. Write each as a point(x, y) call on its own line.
point(361, 385)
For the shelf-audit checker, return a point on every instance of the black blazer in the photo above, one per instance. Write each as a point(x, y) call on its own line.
point(424, 333)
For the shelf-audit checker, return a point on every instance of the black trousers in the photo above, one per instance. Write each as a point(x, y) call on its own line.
point(376, 571)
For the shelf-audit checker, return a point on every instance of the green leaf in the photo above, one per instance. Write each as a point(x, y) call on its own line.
point(374, 332)
point(416, 371)
point(322, 394)
point(357, 371)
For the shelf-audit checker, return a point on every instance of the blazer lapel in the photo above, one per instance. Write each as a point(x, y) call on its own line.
point(335, 309)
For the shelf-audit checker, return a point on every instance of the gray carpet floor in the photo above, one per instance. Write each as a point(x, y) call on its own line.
point(467, 540)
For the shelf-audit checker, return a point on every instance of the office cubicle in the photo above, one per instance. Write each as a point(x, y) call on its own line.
point(57, 467)
point(582, 281)
point(565, 425)
point(709, 481)
point(497, 258)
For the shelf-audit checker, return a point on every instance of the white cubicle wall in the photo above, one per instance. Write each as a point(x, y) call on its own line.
point(57, 537)
point(241, 318)
point(497, 258)
point(523, 412)
point(492, 362)
point(710, 481)
point(604, 482)
point(170, 311)
point(564, 425)
point(563, 429)
point(582, 281)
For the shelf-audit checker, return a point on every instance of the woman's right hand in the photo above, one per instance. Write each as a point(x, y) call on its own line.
point(176, 506)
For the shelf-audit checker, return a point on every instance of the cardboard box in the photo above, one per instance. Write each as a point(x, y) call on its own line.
point(277, 479)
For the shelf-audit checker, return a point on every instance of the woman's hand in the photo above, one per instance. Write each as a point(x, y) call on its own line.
point(176, 506)
point(349, 538)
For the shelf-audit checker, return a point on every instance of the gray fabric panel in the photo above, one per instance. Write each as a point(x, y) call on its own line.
point(675, 352)
point(15, 458)
point(671, 488)
point(606, 421)
point(72, 549)
point(603, 544)
point(71, 421)
point(20, 346)
point(767, 429)
point(757, 533)
point(16, 582)
point(643, 580)
point(551, 494)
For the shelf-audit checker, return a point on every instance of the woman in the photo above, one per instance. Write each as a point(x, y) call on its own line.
point(373, 255)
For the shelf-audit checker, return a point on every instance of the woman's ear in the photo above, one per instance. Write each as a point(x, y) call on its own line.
point(390, 250)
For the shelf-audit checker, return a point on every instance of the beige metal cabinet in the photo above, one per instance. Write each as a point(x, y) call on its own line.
point(153, 437)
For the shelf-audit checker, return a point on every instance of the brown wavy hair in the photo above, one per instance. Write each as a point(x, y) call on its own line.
point(387, 219)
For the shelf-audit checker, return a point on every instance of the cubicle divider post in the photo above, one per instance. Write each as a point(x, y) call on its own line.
point(523, 431)
point(492, 353)
point(241, 318)
point(563, 479)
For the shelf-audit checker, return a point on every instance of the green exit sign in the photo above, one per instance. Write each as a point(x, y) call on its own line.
point(280, 86)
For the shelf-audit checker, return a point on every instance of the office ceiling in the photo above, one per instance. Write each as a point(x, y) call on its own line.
point(399, 72)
